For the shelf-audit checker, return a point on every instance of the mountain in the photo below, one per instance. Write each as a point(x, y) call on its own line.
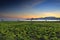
point(45, 18)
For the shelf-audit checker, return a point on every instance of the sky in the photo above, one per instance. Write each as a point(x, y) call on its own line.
point(29, 8)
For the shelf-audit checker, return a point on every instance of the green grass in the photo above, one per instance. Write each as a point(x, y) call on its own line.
point(24, 30)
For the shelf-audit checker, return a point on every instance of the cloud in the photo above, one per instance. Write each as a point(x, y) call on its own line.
point(36, 2)
point(26, 7)
point(30, 6)
point(33, 3)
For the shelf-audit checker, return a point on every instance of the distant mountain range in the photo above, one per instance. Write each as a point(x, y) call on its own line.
point(45, 18)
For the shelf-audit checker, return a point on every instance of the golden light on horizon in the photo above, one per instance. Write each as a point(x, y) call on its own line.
point(36, 15)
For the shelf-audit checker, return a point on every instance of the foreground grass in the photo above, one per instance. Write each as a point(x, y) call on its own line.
point(29, 30)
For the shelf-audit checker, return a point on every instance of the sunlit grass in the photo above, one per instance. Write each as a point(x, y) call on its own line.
point(24, 30)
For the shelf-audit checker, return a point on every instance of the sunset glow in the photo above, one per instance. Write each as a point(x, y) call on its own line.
point(30, 8)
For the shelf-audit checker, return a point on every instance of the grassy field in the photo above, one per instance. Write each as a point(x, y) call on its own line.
point(21, 30)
